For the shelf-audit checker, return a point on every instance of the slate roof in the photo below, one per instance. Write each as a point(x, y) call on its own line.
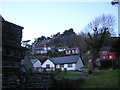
point(1, 18)
point(65, 47)
point(106, 48)
point(72, 48)
point(33, 61)
point(65, 60)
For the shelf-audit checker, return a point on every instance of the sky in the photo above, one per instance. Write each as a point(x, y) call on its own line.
point(48, 18)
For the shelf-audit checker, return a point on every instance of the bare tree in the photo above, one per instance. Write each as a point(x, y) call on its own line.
point(100, 23)
point(99, 29)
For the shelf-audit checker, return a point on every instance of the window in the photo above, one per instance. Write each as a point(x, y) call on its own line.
point(73, 51)
point(104, 57)
point(61, 65)
point(70, 65)
point(57, 66)
point(104, 52)
point(68, 52)
point(110, 57)
point(76, 51)
point(37, 52)
point(47, 65)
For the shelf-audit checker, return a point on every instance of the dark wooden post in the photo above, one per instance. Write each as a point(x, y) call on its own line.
point(65, 70)
point(26, 77)
point(26, 84)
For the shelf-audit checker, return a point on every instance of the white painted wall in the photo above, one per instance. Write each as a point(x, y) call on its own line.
point(79, 64)
point(66, 66)
point(47, 62)
point(71, 68)
point(75, 66)
point(58, 66)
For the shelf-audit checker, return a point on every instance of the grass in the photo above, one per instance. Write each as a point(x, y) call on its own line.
point(86, 65)
point(102, 79)
point(68, 74)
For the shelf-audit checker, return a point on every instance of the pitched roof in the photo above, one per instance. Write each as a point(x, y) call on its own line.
point(72, 48)
point(3, 20)
point(33, 61)
point(66, 59)
point(106, 48)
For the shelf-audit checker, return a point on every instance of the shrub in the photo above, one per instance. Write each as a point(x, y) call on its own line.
point(106, 64)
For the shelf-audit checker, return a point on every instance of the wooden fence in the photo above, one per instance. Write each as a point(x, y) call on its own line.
point(26, 81)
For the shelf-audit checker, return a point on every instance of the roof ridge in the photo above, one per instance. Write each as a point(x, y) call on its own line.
point(35, 60)
point(64, 56)
point(66, 59)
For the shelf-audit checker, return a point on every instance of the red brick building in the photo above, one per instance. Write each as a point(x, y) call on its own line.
point(106, 53)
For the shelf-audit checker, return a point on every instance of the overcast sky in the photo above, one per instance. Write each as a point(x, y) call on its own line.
point(48, 18)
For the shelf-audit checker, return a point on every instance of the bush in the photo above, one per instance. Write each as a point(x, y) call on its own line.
point(106, 64)
point(116, 64)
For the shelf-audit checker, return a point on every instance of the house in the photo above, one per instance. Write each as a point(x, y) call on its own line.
point(43, 50)
point(106, 53)
point(32, 65)
point(61, 49)
point(68, 62)
point(39, 50)
point(36, 64)
point(72, 51)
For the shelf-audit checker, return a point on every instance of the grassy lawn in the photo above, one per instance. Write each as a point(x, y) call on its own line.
point(68, 74)
point(102, 79)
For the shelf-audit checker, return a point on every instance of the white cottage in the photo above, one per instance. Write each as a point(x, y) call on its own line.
point(36, 64)
point(68, 62)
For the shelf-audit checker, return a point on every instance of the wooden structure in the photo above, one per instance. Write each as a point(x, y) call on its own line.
point(35, 81)
point(12, 53)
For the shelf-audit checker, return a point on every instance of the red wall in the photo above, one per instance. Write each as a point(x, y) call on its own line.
point(105, 54)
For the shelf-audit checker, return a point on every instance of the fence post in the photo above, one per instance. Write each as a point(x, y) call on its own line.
point(65, 70)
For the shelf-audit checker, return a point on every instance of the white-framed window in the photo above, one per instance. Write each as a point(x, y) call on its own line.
point(61, 65)
point(104, 52)
point(68, 51)
point(70, 65)
point(76, 51)
point(73, 51)
point(47, 65)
